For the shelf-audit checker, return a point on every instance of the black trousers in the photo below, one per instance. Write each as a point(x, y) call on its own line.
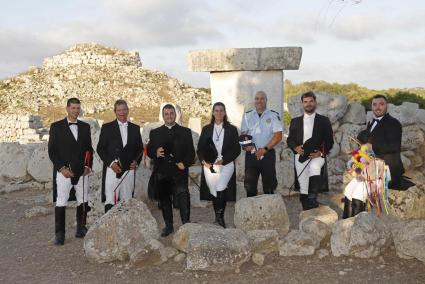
point(266, 167)
point(172, 188)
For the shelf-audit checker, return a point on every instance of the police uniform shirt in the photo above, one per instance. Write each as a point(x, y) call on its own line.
point(261, 127)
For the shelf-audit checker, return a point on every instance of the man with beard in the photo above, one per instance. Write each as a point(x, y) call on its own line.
point(384, 133)
point(120, 147)
point(171, 149)
point(265, 128)
point(71, 153)
point(311, 139)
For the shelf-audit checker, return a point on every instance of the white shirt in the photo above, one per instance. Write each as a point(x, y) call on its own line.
point(375, 123)
point(218, 138)
point(261, 128)
point(124, 132)
point(308, 125)
point(73, 128)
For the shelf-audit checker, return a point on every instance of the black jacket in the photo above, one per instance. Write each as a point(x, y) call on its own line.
point(386, 143)
point(230, 151)
point(64, 150)
point(322, 137)
point(110, 147)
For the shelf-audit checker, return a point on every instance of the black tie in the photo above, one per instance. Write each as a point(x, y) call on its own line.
point(377, 121)
point(72, 123)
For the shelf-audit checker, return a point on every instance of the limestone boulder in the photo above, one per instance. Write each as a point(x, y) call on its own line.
point(212, 248)
point(263, 212)
point(404, 113)
point(408, 204)
point(39, 167)
point(14, 157)
point(355, 114)
point(412, 138)
point(264, 241)
point(322, 213)
point(363, 236)
point(409, 239)
point(332, 106)
point(349, 131)
point(297, 243)
point(123, 231)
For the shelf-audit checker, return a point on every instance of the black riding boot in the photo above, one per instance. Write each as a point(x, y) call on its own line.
point(108, 207)
point(167, 214)
point(313, 190)
point(59, 225)
point(219, 204)
point(347, 208)
point(357, 206)
point(81, 217)
point(183, 199)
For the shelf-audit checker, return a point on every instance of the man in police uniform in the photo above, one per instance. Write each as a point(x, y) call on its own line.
point(265, 127)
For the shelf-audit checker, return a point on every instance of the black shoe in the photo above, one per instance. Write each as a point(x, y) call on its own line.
point(59, 239)
point(168, 230)
point(347, 208)
point(108, 207)
point(219, 218)
point(59, 225)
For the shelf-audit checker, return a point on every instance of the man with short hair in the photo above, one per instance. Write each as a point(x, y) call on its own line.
point(384, 132)
point(171, 149)
point(311, 139)
point(120, 147)
point(70, 150)
point(265, 127)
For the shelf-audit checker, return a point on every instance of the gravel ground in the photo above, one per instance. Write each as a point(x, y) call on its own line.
point(28, 256)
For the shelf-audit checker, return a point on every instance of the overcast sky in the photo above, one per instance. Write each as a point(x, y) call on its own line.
point(376, 43)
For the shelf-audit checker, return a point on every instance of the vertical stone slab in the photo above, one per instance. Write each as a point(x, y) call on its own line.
point(236, 89)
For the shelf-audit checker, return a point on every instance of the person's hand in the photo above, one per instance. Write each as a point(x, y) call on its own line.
point(208, 165)
point(315, 154)
point(133, 165)
point(300, 150)
point(160, 152)
point(66, 172)
point(260, 153)
point(87, 171)
point(249, 148)
point(180, 166)
point(219, 162)
point(116, 168)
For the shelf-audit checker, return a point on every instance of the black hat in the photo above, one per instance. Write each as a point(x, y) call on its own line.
point(308, 147)
point(245, 140)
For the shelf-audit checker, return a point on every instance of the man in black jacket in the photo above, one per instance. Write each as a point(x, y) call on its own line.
point(384, 133)
point(171, 149)
point(71, 153)
point(311, 139)
point(120, 147)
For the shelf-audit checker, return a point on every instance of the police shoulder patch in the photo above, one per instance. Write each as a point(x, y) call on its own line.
point(277, 114)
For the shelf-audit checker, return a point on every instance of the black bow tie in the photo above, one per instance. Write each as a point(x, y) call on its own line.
point(72, 123)
point(375, 120)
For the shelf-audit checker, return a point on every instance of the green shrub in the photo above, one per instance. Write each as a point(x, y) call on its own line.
point(397, 99)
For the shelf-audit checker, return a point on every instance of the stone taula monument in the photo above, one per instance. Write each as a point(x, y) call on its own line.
point(236, 74)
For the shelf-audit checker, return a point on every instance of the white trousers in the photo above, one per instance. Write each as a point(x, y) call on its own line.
point(218, 181)
point(357, 189)
point(313, 169)
point(64, 186)
point(124, 192)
